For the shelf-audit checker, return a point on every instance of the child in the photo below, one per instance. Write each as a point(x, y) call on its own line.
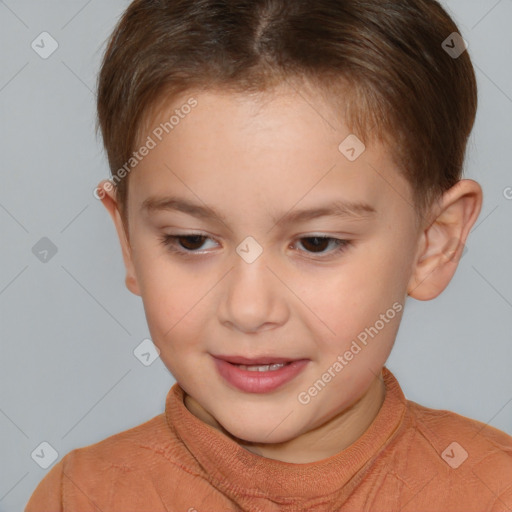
point(284, 174)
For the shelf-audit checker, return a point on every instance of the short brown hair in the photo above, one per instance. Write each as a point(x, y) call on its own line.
point(380, 64)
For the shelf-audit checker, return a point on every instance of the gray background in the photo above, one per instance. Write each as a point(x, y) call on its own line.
point(68, 375)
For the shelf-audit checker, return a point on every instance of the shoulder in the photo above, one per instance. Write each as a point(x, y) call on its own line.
point(439, 424)
point(124, 466)
point(130, 450)
point(445, 461)
point(476, 451)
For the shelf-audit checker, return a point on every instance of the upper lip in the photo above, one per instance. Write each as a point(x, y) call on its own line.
point(255, 360)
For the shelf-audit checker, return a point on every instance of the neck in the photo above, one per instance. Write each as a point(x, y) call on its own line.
point(322, 442)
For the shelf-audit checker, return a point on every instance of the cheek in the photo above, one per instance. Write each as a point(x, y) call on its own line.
point(386, 271)
point(170, 298)
point(348, 304)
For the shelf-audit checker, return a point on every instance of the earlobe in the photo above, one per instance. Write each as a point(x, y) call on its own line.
point(443, 242)
point(107, 193)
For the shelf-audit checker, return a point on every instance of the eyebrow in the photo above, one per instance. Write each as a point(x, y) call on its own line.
point(340, 209)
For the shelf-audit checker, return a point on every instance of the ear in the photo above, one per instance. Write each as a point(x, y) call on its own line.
point(107, 193)
point(442, 244)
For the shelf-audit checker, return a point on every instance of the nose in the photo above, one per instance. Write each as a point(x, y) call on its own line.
point(253, 298)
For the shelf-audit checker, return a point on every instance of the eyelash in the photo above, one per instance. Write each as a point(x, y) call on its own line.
point(169, 242)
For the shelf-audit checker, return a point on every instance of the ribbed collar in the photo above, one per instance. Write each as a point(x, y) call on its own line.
point(232, 468)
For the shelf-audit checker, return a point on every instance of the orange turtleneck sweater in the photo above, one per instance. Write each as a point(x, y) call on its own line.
point(410, 458)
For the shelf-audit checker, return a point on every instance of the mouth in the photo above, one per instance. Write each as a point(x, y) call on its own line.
point(261, 367)
point(257, 361)
point(258, 374)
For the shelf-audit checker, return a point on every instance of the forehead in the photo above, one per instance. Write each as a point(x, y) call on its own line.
point(278, 149)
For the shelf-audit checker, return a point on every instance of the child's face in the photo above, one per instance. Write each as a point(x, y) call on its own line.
point(301, 299)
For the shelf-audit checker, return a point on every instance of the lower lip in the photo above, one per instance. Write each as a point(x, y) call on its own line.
point(259, 382)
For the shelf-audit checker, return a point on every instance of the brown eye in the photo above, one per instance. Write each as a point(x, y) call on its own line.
point(184, 244)
point(318, 244)
point(192, 243)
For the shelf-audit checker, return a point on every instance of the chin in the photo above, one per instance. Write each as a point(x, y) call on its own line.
point(259, 433)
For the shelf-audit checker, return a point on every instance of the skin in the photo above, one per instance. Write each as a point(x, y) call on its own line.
point(252, 161)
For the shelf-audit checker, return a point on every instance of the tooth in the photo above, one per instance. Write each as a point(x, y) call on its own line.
point(261, 368)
